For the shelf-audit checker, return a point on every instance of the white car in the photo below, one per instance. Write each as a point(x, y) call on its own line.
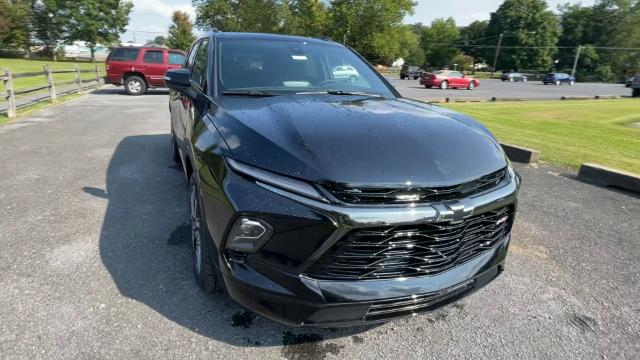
point(345, 72)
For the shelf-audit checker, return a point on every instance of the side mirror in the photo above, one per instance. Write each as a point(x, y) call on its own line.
point(179, 79)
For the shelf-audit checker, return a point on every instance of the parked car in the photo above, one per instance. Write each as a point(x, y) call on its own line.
point(141, 68)
point(445, 79)
point(635, 87)
point(345, 72)
point(513, 76)
point(319, 201)
point(410, 72)
point(559, 79)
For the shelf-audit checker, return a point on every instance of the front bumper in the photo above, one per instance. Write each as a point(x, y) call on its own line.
point(272, 282)
point(366, 302)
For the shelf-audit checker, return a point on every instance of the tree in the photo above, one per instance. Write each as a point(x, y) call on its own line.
point(269, 16)
point(50, 24)
point(15, 20)
point(463, 62)
point(180, 32)
point(158, 40)
point(371, 27)
point(306, 18)
point(437, 40)
point(525, 23)
point(472, 35)
point(97, 21)
point(608, 23)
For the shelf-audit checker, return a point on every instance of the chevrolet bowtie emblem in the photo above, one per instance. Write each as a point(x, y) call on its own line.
point(408, 197)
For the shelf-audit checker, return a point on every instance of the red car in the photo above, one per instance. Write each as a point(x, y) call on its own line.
point(445, 79)
point(141, 68)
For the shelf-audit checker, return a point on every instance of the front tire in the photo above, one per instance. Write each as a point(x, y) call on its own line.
point(201, 246)
point(558, 83)
point(571, 83)
point(444, 85)
point(135, 85)
point(472, 85)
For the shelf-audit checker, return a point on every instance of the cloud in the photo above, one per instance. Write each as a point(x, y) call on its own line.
point(469, 18)
point(165, 8)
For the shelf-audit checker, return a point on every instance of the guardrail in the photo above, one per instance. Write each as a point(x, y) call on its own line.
point(7, 77)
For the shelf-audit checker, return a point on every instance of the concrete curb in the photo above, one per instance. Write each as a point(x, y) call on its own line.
point(604, 176)
point(503, 99)
point(521, 154)
point(511, 99)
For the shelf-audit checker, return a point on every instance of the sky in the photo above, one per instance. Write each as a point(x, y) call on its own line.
point(153, 17)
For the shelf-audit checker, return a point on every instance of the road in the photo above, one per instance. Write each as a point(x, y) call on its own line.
point(496, 88)
point(95, 260)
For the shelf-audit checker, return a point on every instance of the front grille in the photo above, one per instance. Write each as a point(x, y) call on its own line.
point(382, 196)
point(408, 251)
point(415, 304)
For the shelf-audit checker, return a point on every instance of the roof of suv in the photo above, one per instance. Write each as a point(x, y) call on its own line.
point(148, 48)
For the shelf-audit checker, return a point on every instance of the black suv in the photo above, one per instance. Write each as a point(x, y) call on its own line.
point(410, 72)
point(321, 199)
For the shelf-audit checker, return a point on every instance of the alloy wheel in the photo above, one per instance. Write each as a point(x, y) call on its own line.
point(135, 86)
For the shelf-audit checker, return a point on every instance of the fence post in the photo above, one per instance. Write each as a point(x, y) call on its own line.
point(97, 77)
point(78, 79)
point(52, 86)
point(11, 98)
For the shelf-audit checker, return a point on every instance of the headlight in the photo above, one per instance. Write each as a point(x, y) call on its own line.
point(248, 234)
point(279, 181)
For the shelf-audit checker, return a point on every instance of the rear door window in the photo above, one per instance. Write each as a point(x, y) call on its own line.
point(153, 57)
point(124, 54)
point(176, 58)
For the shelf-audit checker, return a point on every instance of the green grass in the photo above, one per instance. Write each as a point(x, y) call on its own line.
point(22, 65)
point(567, 133)
point(22, 112)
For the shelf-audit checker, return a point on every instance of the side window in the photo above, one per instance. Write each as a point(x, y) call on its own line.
point(192, 54)
point(124, 54)
point(176, 58)
point(153, 57)
point(199, 70)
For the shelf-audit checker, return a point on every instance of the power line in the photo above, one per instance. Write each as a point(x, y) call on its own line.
point(534, 47)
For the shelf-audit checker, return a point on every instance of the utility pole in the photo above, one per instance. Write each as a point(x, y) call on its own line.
point(495, 59)
point(575, 62)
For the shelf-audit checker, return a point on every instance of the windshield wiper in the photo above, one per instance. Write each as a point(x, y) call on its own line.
point(255, 93)
point(339, 92)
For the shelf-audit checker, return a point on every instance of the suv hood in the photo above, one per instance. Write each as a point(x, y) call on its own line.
point(356, 141)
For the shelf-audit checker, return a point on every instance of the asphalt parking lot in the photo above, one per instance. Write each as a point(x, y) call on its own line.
point(94, 260)
point(496, 88)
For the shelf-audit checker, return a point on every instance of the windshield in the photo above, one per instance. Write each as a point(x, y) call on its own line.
point(292, 67)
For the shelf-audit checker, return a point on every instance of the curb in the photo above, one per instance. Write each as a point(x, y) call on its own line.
point(511, 99)
point(604, 176)
point(465, 100)
point(521, 154)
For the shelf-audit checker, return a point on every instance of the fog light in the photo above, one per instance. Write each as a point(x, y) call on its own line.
point(248, 234)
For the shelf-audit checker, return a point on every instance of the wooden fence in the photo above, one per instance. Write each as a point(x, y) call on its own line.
point(7, 77)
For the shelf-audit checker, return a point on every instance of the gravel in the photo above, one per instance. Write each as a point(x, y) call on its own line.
point(95, 260)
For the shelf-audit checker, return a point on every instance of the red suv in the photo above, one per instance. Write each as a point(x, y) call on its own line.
point(445, 79)
point(140, 68)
